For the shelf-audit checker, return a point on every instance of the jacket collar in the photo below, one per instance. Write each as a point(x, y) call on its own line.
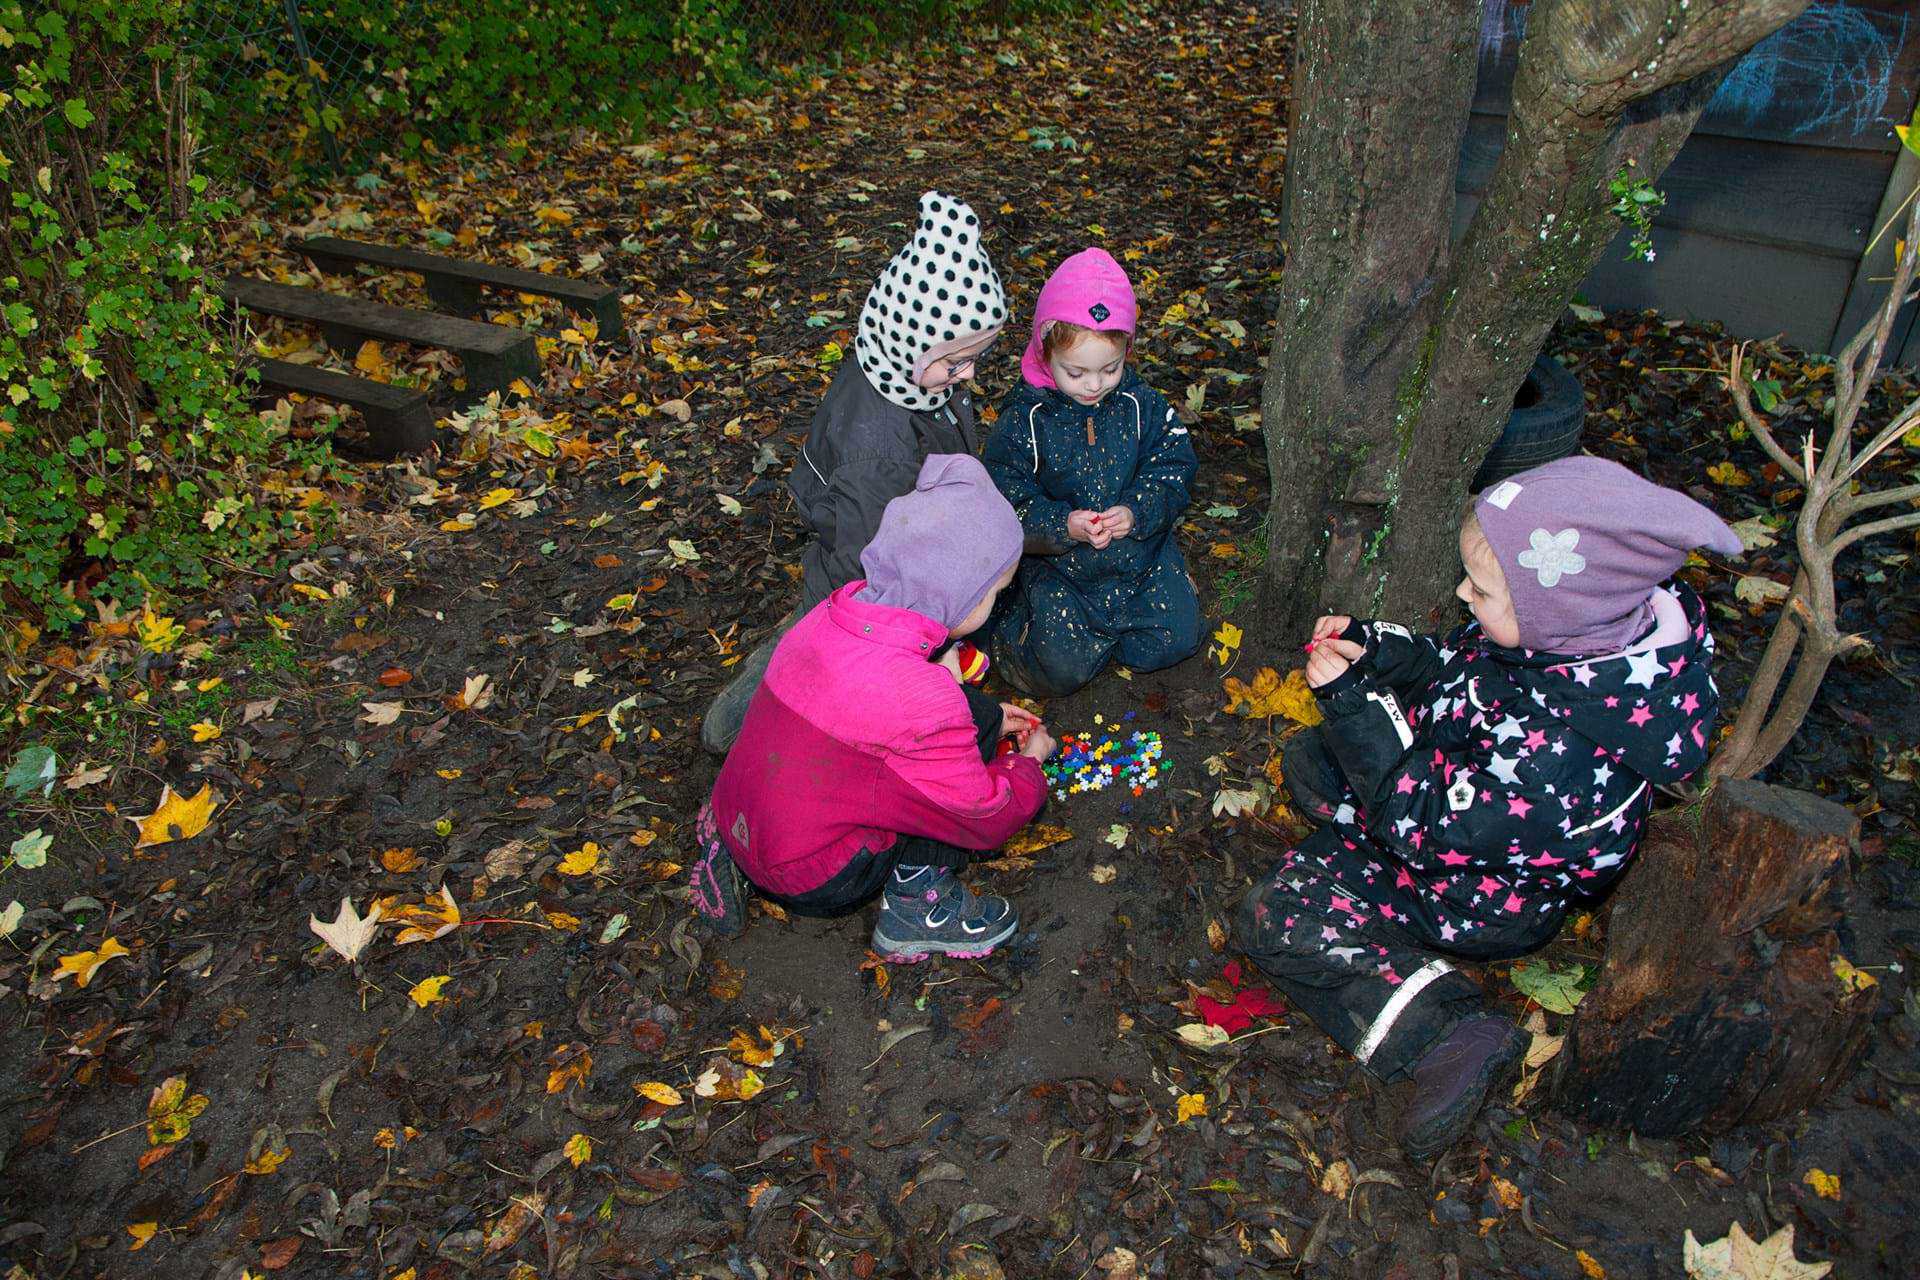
point(883, 623)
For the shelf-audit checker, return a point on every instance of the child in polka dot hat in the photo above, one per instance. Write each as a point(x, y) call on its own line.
point(1476, 787)
point(925, 324)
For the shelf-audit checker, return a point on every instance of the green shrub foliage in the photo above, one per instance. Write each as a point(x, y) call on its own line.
point(126, 453)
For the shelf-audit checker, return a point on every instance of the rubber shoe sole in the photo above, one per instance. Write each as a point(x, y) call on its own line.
point(972, 949)
point(1444, 1127)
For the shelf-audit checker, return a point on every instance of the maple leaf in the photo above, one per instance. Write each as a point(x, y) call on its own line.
point(583, 861)
point(1270, 696)
point(83, 964)
point(142, 1233)
point(1226, 643)
point(1824, 1184)
point(571, 1067)
point(1116, 835)
point(428, 921)
point(579, 1149)
point(159, 634)
point(1739, 1257)
point(1104, 873)
point(1189, 1106)
point(348, 933)
point(400, 861)
point(428, 990)
point(171, 1111)
point(382, 713)
point(177, 817)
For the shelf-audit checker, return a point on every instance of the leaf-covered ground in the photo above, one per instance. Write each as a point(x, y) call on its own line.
point(476, 697)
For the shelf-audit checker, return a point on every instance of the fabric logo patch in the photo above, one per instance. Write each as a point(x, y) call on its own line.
point(1502, 494)
point(1552, 555)
point(1099, 312)
point(739, 831)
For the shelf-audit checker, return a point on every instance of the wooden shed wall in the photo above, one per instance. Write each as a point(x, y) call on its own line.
point(1777, 193)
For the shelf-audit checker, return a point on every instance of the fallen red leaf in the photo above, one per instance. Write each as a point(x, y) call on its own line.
point(395, 676)
point(275, 1254)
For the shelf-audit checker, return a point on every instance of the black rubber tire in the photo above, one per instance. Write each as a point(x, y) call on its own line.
point(1548, 415)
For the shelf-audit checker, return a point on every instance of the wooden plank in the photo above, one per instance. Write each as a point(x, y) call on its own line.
point(1839, 75)
point(492, 355)
point(1755, 290)
point(454, 283)
point(398, 419)
point(1814, 199)
point(1875, 271)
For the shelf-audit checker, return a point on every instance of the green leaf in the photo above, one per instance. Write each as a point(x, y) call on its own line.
point(1910, 133)
point(77, 114)
point(33, 769)
point(1555, 990)
point(30, 850)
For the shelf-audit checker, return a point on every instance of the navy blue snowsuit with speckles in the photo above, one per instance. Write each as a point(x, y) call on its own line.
point(1072, 608)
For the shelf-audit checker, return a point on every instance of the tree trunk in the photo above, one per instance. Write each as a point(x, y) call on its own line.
point(1718, 1003)
point(1396, 361)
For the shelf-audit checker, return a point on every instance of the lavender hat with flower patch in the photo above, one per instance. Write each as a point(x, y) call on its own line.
point(1583, 543)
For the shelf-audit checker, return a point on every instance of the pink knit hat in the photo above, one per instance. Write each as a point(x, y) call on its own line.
point(1088, 289)
point(1583, 543)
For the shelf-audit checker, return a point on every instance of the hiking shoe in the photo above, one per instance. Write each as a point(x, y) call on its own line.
point(717, 893)
point(1452, 1080)
point(930, 912)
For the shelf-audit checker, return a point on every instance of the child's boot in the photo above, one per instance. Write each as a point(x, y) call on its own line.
point(1452, 1080)
point(717, 893)
point(927, 911)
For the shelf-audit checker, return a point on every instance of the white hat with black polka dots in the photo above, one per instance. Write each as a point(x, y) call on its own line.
point(939, 287)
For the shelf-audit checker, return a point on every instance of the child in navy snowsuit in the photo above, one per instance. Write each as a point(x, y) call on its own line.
point(1476, 787)
point(901, 398)
point(1099, 470)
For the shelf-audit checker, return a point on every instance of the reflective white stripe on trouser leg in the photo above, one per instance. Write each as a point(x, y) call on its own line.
point(1402, 997)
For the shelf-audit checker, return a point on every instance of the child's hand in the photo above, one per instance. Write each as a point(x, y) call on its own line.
point(1331, 624)
point(1331, 657)
point(1088, 527)
point(1015, 718)
point(1039, 744)
point(1117, 521)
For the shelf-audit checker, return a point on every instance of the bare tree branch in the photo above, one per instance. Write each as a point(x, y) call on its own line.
point(1909, 520)
point(1761, 431)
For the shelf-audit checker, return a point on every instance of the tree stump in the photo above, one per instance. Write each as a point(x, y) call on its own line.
point(1717, 1003)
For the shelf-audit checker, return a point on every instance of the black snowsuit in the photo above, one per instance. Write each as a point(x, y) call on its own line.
point(1072, 608)
point(1472, 795)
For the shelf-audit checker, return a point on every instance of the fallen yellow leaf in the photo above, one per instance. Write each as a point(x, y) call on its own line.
point(427, 990)
point(205, 731)
point(498, 497)
point(83, 964)
point(1589, 1268)
point(664, 1094)
point(1269, 696)
point(1851, 978)
point(171, 1111)
point(583, 861)
point(1189, 1106)
point(1824, 1184)
point(1034, 837)
point(177, 817)
point(579, 1149)
point(428, 921)
point(142, 1233)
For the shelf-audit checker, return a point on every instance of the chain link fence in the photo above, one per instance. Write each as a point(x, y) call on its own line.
point(300, 83)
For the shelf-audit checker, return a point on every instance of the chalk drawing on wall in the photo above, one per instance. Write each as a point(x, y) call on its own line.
point(1501, 24)
point(1830, 68)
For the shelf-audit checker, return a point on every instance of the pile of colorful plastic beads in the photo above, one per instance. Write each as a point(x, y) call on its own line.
point(1094, 762)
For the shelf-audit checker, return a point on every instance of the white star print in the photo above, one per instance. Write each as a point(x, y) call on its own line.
point(1509, 728)
point(1644, 668)
point(1505, 769)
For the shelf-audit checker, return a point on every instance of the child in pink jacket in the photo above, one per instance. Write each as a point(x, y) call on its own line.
point(864, 766)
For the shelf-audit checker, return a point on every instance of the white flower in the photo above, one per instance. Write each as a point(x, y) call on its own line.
point(1552, 555)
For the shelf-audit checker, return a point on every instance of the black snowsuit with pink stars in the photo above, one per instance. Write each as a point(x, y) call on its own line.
point(1472, 795)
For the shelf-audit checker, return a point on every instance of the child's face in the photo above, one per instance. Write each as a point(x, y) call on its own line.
point(1090, 368)
point(1484, 589)
point(953, 362)
point(978, 618)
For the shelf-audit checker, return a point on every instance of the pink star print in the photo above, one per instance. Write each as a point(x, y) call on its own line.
point(1454, 859)
point(1677, 666)
point(1690, 703)
point(1513, 903)
point(1489, 885)
point(1339, 903)
point(1405, 785)
point(1639, 717)
point(1516, 807)
point(1536, 740)
point(1404, 880)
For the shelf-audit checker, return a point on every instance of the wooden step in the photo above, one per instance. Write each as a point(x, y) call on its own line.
point(398, 419)
point(455, 283)
point(492, 355)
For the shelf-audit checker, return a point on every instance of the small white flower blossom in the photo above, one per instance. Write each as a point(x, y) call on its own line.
point(1552, 555)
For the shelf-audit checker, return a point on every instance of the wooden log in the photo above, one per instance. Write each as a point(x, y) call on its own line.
point(454, 284)
point(1717, 1003)
point(398, 420)
point(491, 355)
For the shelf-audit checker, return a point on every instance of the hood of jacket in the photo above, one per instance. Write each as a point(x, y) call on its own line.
point(938, 288)
point(941, 547)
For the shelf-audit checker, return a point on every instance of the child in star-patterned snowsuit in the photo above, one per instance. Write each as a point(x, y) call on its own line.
point(1476, 787)
point(1099, 470)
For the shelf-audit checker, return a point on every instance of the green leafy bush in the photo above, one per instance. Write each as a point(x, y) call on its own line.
point(126, 452)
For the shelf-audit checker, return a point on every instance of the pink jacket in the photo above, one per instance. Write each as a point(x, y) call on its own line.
point(854, 739)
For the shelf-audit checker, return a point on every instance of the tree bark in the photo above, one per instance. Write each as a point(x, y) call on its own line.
point(1393, 370)
point(1718, 1004)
